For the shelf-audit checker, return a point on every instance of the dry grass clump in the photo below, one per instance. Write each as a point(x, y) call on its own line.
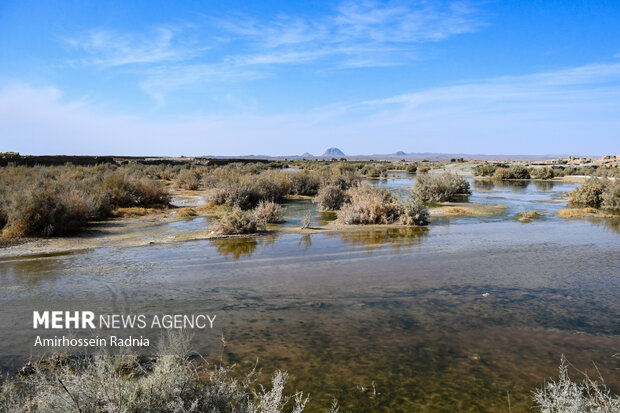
point(577, 212)
point(374, 171)
point(235, 222)
point(124, 383)
point(567, 396)
point(268, 213)
point(512, 172)
point(369, 205)
point(528, 216)
point(331, 197)
point(187, 212)
point(594, 192)
point(46, 201)
point(440, 188)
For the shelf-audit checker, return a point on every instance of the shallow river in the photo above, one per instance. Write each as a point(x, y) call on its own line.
point(457, 317)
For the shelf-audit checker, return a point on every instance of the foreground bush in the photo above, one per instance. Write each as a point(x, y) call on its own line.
point(235, 223)
point(440, 188)
point(331, 197)
point(268, 212)
point(369, 205)
point(119, 383)
point(567, 396)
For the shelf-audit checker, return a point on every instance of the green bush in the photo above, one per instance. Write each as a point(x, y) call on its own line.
point(512, 172)
point(484, 170)
point(542, 173)
point(440, 188)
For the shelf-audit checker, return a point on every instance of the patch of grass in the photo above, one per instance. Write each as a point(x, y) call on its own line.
point(186, 212)
point(528, 216)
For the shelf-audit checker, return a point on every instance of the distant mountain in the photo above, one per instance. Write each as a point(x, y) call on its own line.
point(334, 152)
point(307, 155)
point(400, 153)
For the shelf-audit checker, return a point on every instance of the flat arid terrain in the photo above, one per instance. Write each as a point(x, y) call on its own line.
point(384, 285)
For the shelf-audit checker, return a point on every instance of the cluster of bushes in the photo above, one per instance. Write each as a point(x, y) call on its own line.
point(595, 192)
point(440, 188)
point(512, 172)
point(374, 171)
point(47, 201)
point(246, 191)
point(125, 383)
point(542, 173)
point(364, 204)
point(485, 169)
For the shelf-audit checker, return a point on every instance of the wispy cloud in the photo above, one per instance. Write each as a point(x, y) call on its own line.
point(576, 110)
point(233, 48)
point(109, 48)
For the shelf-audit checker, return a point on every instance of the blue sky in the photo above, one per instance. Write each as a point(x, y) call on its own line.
point(284, 77)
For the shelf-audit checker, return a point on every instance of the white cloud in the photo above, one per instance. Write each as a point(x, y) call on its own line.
point(571, 111)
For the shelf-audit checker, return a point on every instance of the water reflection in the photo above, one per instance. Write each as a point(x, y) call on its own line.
point(395, 238)
point(544, 185)
point(239, 247)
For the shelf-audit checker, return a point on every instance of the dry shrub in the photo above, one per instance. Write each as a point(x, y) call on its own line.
point(568, 396)
point(414, 212)
point(268, 212)
point(590, 193)
point(235, 223)
point(611, 195)
point(118, 382)
point(304, 183)
point(189, 179)
point(331, 197)
point(46, 201)
point(369, 205)
point(440, 188)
